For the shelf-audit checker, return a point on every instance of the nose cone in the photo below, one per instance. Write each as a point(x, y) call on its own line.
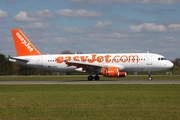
point(169, 64)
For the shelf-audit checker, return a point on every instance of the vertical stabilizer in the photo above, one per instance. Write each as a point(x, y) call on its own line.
point(23, 46)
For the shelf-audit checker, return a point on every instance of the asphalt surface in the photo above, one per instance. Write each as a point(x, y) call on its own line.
point(92, 82)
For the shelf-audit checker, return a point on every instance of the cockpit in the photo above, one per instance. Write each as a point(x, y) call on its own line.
point(161, 58)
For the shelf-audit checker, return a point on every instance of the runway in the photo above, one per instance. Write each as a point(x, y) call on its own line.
point(81, 82)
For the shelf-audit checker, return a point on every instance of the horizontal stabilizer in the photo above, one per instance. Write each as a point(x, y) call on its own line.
point(14, 59)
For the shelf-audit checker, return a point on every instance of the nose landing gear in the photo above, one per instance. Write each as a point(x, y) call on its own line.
point(149, 76)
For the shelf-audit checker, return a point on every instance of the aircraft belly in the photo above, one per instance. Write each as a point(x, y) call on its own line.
point(60, 68)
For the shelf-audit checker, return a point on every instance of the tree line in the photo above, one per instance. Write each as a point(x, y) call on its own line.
point(10, 68)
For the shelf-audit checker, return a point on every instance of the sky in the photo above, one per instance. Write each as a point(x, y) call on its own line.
point(93, 26)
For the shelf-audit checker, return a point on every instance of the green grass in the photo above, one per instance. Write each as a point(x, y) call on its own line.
point(89, 102)
point(84, 77)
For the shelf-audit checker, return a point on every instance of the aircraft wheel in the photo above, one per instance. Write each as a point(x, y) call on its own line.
point(90, 78)
point(96, 78)
point(150, 78)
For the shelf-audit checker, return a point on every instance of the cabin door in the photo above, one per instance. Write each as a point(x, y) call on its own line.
point(40, 61)
point(149, 59)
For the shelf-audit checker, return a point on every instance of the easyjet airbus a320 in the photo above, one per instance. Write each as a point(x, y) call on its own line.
point(108, 65)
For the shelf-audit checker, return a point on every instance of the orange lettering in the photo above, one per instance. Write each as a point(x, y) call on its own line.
point(107, 58)
point(116, 58)
point(124, 58)
point(100, 59)
point(93, 58)
point(83, 58)
point(59, 59)
point(133, 58)
point(75, 58)
point(68, 58)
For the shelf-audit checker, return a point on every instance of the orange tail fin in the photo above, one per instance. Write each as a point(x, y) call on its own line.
point(23, 46)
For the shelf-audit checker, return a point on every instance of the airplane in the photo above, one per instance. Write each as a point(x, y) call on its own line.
point(108, 64)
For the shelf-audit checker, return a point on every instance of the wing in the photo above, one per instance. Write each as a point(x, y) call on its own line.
point(83, 67)
point(91, 67)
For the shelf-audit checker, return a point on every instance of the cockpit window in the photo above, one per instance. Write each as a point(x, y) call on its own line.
point(161, 58)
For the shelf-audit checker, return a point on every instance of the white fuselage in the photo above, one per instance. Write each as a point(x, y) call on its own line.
point(125, 61)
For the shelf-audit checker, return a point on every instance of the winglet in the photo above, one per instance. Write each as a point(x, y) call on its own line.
point(23, 46)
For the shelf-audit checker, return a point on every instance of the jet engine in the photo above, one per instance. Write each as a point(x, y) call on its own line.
point(112, 72)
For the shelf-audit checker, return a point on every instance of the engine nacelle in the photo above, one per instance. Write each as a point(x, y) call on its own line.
point(112, 72)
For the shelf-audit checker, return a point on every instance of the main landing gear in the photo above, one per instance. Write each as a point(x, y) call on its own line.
point(91, 78)
point(149, 76)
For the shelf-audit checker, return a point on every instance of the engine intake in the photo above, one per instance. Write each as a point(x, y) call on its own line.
point(112, 72)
